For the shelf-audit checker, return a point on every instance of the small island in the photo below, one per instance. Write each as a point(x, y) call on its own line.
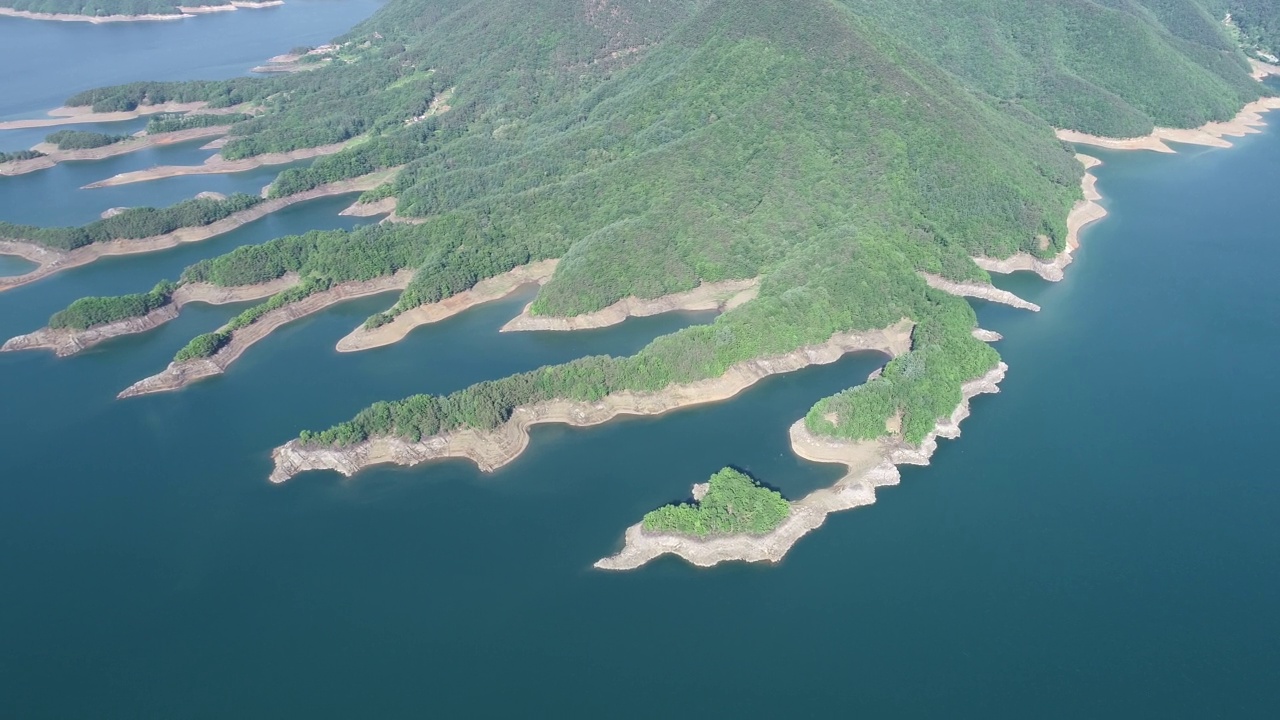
point(730, 503)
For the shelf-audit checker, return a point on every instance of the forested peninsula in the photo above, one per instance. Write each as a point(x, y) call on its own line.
point(100, 11)
point(856, 165)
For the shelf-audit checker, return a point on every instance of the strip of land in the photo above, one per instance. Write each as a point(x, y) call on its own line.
point(1246, 122)
point(183, 13)
point(721, 296)
point(982, 291)
point(490, 449)
point(180, 374)
point(64, 341)
point(488, 290)
point(53, 156)
point(83, 115)
point(869, 464)
point(1084, 212)
point(54, 261)
point(218, 165)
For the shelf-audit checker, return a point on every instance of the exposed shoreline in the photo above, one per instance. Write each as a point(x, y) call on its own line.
point(138, 142)
point(180, 374)
point(1084, 212)
point(487, 290)
point(362, 209)
point(869, 464)
point(182, 14)
point(66, 342)
point(53, 261)
point(84, 114)
point(217, 165)
point(1246, 122)
point(722, 296)
point(490, 449)
point(987, 292)
point(1262, 69)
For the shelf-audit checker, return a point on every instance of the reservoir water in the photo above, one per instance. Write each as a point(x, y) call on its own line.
point(1101, 542)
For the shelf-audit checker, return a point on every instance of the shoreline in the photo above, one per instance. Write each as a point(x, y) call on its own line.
point(67, 342)
point(181, 374)
point(491, 449)
point(981, 291)
point(1083, 213)
point(52, 261)
point(487, 290)
point(1262, 69)
point(133, 144)
point(216, 165)
point(869, 464)
point(84, 114)
point(182, 14)
point(722, 296)
point(1246, 122)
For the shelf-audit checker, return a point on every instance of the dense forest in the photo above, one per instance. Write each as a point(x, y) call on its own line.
point(100, 8)
point(82, 140)
point(833, 149)
point(93, 311)
point(173, 122)
point(133, 223)
point(734, 504)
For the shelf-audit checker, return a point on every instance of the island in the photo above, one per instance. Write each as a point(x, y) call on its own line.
point(830, 177)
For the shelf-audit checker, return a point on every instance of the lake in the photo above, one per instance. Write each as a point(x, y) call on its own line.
point(1100, 542)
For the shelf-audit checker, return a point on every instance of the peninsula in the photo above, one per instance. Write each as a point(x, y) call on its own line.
point(114, 11)
point(832, 176)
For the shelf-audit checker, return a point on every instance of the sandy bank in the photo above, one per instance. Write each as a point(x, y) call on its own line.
point(1262, 69)
point(490, 449)
point(1084, 212)
point(64, 342)
point(217, 165)
point(363, 209)
point(1246, 122)
point(179, 375)
point(183, 13)
point(76, 115)
point(488, 290)
point(54, 261)
point(53, 156)
point(981, 291)
point(722, 296)
point(869, 464)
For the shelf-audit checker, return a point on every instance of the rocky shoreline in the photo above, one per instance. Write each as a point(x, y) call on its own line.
point(84, 114)
point(487, 290)
point(67, 342)
point(180, 374)
point(1246, 122)
point(981, 291)
point(52, 156)
point(491, 449)
point(53, 261)
point(1084, 212)
point(217, 165)
point(720, 296)
point(870, 464)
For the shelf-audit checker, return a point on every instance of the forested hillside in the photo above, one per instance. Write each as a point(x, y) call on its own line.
point(834, 149)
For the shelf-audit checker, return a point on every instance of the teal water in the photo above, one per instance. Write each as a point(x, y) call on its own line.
point(1100, 543)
